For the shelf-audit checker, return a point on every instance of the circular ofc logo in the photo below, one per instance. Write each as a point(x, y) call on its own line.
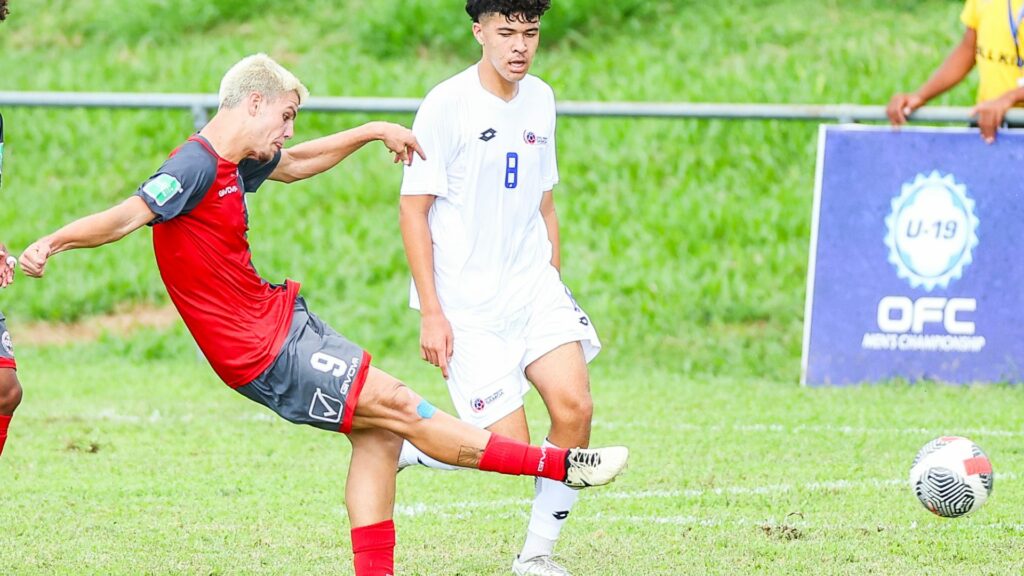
point(478, 404)
point(530, 137)
point(932, 231)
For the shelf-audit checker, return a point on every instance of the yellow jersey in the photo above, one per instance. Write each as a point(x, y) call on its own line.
point(995, 54)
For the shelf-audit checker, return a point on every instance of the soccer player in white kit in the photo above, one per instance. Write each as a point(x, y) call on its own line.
point(481, 235)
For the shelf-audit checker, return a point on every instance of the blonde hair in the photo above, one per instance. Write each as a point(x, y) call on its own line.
point(258, 73)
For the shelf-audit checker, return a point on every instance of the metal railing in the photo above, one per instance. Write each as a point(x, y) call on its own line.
point(200, 106)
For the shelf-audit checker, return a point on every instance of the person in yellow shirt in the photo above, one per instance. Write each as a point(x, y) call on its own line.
point(993, 41)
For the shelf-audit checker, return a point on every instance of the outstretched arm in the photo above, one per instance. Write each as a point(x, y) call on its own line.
point(95, 230)
point(315, 156)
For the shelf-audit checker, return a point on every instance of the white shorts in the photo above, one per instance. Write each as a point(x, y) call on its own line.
point(487, 372)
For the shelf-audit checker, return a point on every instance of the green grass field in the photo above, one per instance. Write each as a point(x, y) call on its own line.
point(153, 467)
point(685, 240)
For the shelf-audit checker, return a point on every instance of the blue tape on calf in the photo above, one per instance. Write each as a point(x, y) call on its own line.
point(425, 409)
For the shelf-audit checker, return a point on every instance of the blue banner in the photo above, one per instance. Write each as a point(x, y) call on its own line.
point(916, 266)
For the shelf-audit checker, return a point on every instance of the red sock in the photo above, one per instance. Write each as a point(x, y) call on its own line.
point(373, 548)
point(508, 456)
point(5, 420)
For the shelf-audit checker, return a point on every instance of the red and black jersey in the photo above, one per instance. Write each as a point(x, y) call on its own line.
point(238, 319)
point(6, 346)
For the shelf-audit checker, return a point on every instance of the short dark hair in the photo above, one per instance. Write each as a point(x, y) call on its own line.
point(525, 10)
point(3, 9)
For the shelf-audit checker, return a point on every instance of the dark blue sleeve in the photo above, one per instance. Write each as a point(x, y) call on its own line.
point(255, 174)
point(180, 184)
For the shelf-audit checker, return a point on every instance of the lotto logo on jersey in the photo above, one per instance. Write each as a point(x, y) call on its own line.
point(488, 135)
point(533, 139)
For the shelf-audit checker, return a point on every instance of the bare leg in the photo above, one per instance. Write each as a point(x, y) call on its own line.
point(388, 404)
point(10, 391)
point(562, 380)
point(370, 487)
point(10, 397)
point(370, 499)
point(513, 426)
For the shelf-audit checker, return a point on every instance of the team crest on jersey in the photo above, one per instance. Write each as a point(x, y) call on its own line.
point(8, 345)
point(533, 139)
point(162, 188)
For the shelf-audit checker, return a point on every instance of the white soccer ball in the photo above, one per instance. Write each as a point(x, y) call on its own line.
point(951, 476)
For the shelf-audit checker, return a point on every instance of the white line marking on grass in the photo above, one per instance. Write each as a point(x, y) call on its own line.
point(464, 507)
point(112, 415)
point(776, 428)
point(791, 522)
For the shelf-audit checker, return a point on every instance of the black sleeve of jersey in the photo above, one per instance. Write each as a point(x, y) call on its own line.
point(180, 184)
point(255, 174)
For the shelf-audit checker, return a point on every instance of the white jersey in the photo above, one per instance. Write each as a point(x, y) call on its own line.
point(489, 163)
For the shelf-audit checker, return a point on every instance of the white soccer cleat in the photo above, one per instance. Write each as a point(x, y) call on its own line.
point(594, 466)
point(409, 456)
point(539, 566)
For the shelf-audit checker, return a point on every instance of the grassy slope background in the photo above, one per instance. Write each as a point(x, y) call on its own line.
point(686, 240)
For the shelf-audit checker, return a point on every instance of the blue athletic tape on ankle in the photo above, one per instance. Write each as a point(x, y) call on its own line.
point(425, 409)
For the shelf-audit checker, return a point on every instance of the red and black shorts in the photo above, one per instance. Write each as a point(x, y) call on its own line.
point(6, 346)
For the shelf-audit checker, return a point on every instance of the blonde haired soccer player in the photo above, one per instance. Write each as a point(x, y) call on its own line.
point(261, 338)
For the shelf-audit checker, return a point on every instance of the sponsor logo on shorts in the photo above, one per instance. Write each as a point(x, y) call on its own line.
point(162, 188)
point(350, 375)
point(229, 190)
point(325, 407)
point(543, 459)
point(479, 404)
point(7, 343)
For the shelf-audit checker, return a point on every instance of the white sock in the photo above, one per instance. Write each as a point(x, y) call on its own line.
point(412, 455)
point(551, 507)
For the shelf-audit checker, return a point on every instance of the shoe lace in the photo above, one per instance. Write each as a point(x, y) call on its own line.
point(587, 458)
point(547, 562)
